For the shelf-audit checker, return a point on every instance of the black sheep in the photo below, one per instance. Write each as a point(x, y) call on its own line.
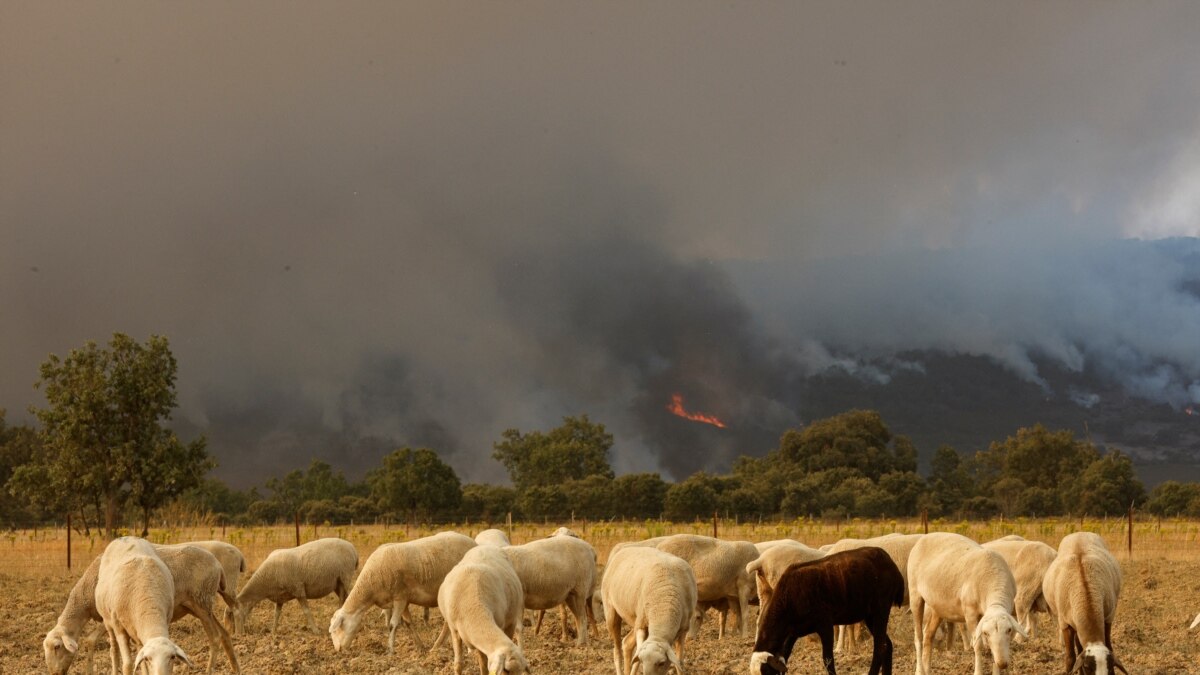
point(862, 584)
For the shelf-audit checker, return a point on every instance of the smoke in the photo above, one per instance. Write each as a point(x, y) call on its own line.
point(380, 225)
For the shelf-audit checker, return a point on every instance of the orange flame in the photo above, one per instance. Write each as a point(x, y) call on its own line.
point(676, 408)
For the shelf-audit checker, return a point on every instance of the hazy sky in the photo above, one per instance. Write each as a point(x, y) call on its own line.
point(365, 225)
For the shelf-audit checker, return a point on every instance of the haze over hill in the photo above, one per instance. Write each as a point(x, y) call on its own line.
point(372, 225)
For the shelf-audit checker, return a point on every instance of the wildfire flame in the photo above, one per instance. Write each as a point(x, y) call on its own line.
point(1190, 411)
point(676, 408)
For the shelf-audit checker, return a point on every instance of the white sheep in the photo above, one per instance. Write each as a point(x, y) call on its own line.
point(655, 593)
point(234, 565)
point(1081, 588)
point(492, 537)
point(306, 572)
point(395, 576)
point(563, 609)
point(719, 567)
point(956, 579)
point(1028, 561)
point(197, 577)
point(768, 567)
point(762, 546)
point(135, 595)
point(557, 571)
point(482, 602)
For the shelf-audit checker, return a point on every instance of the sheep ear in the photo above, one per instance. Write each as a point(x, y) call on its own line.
point(777, 663)
point(1117, 664)
point(1019, 628)
point(180, 654)
point(675, 661)
point(1195, 622)
point(137, 662)
point(70, 644)
point(336, 621)
point(977, 637)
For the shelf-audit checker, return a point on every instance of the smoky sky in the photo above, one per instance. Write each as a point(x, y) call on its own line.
point(368, 225)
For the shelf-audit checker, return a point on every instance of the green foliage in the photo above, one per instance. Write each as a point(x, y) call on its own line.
point(1109, 486)
point(857, 439)
point(103, 431)
point(319, 482)
point(19, 446)
point(1173, 498)
point(638, 496)
point(542, 501)
point(416, 482)
point(214, 496)
point(1034, 458)
point(573, 451)
point(695, 497)
point(949, 482)
point(492, 503)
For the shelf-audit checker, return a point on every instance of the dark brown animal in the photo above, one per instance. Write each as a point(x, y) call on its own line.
point(862, 584)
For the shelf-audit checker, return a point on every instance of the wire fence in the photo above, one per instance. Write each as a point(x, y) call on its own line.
point(44, 550)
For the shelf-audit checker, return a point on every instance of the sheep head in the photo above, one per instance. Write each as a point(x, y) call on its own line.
point(507, 661)
point(159, 653)
point(1097, 659)
point(655, 657)
point(997, 629)
point(766, 663)
point(342, 628)
point(60, 650)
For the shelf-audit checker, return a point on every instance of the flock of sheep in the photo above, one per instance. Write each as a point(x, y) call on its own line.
point(660, 587)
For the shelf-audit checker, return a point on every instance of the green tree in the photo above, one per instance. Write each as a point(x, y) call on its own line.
point(212, 495)
point(950, 483)
point(1034, 458)
point(19, 446)
point(103, 426)
point(1110, 486)
point(857, 439)
point(639, 495)
point(490, 503)
point(692, 498)
point(1172, 498)
point(417, 482)
point(573, 451)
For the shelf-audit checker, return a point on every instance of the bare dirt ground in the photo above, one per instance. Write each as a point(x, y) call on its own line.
point(1160, 598)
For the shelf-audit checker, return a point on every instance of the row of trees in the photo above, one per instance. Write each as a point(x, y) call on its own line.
point(102, 450)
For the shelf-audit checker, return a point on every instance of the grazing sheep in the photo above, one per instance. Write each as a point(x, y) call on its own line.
point(62, 642)
point(197, 577)
point(655, 593)
point(558, 570)
point(482, 603)
point(1081, 588)
point(862, 584)
point(562, 609)
point(309, 571)
point(719, 567)
point(395, 576)
point(769, 567)
point(234, 565)
point(134, 596)
point(959, 580)
point(1028, 561)
point(492, 537)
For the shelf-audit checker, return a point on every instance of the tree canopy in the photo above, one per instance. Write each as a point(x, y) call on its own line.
point(103, 429)
point(573, 451)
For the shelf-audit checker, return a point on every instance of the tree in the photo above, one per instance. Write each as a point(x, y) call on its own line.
point(639, 495)
point(103, 426)
point(18, 446)
point(573, 451)
point(949, 481)
point(492, 503)
point(1018, 470)
point(1110, 486)
point(416, 482)
point(1172, 498)
point(693, 498)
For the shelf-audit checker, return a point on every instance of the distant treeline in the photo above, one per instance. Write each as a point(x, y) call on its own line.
point(102, 454)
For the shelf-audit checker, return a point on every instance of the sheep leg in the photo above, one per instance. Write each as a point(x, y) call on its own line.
point(457, 646)
point(278, 611)
point(113, 650)
point(537, 629)
point(825, 632)
point(977, 645)
point(308, 615)
point(216, 635)
point(613, 621)
point(483, 662)
point(578, 607)
point(881, 651)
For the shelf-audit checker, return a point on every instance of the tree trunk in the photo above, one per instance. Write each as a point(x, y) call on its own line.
point(110, 517)
point(145, 521)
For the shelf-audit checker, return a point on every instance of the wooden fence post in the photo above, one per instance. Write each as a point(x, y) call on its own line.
point(68, 540)
point(714, 523)
point(297, 527)
point(925, 520)
point(1129, 540)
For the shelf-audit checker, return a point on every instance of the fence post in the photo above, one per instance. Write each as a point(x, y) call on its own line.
point(297, 527)
point(68, 540)
point(714, 523)
point(925, 520)
point(1129, 540)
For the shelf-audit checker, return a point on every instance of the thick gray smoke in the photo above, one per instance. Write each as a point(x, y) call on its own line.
point(367, 226)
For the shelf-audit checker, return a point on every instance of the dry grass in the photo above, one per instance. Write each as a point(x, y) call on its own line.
point(1161, 594)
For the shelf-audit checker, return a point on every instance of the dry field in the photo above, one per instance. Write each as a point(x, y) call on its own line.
point(1161, 595)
